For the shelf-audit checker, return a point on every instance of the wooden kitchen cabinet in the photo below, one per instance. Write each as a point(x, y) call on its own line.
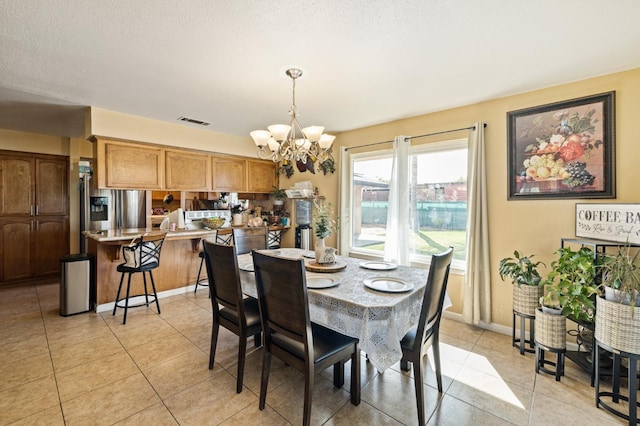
point(229, 174)
point(187, 171)
point(124, 165)
point(32, 247)
point(262, 176)
point(16, 185)
point(34, 214)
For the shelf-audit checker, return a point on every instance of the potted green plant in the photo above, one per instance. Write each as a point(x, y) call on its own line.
point(571, 285)
point(323, 226)
point(616, 325)
point(279, 195)
point(620, 274)
point(524, 274)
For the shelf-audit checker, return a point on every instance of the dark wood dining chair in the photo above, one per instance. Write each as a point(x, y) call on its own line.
point(230, 309)
point(290, 335)
point(247, 239)
point(222, 237)
point(425, 334)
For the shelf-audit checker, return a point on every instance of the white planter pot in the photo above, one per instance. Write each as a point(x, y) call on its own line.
point(613, 295)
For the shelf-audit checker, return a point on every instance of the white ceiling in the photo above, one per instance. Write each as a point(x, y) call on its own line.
point(365, 62)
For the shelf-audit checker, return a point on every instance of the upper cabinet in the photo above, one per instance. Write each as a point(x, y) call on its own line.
point(188, 171)
point(124, 165)
point(33, 185)
point(261, 176)
point(130, 165)
point(229, 174)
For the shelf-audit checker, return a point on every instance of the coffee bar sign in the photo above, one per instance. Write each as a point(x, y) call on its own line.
point(611, 222)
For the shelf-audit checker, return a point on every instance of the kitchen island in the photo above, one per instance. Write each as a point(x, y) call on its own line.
point(178, 268)
point(179, 260)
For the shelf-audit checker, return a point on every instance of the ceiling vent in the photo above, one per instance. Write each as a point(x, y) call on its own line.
point(194, 121)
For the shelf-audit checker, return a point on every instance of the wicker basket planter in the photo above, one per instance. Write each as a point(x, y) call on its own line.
point(526, 298)
point(550, 330)
point(615, 327)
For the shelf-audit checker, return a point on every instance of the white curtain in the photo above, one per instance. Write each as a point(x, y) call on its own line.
point(476, 305)
point(396, 246)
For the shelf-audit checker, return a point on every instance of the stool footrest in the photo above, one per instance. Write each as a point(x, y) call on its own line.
point(120, 303)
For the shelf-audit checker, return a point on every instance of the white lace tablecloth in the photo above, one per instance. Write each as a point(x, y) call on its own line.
point(378, 319)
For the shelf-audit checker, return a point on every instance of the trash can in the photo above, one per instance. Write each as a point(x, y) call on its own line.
point(76, 283)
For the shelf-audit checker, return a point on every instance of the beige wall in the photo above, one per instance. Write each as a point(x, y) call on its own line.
point(117, 125)
point(532, 226)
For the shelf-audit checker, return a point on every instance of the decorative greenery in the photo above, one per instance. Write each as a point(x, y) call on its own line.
point(286, 168)
point(323, 223)
point(621, 271)
point(521, 269)
point(328, 166)
point(571, 283)
point(279, 194)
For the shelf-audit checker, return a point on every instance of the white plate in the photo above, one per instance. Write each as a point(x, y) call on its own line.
point(388, 284)
point(378, 265)
point(246, 267)
point(322, 282)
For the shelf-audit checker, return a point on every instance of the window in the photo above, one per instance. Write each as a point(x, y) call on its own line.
point(438, 194)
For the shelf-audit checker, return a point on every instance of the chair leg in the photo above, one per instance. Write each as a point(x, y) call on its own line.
point(146, 292)
point(242, 352)
point(126, 300)
point(338, 374)
point(199, 272)
point(436, 360)
point(264, 381)
point(308, 395)
point(404, 364)
point(214, 342)
point(355, 376)
point(417, 381)
point(115, 306)
point(155, 294)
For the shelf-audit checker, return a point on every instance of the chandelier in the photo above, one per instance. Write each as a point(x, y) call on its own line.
point(290, 141)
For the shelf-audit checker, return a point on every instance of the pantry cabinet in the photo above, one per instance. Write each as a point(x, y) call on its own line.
point(34, 214)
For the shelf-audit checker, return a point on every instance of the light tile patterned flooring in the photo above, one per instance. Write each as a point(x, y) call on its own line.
point(91, 369)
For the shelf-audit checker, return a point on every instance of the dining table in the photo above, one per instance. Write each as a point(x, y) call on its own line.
point(374, 301)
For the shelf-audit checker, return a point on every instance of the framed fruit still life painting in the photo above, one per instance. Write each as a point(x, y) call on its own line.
point(563, 150)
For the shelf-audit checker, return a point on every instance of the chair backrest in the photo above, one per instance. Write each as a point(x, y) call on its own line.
point(282, 296)
point(434, 293)
point(224, 279)
point(144, 252)
point(248, 239)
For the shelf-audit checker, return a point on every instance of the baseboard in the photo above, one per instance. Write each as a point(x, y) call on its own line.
point(161, 295)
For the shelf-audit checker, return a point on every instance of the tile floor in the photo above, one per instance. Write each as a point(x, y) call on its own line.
point(90, 369)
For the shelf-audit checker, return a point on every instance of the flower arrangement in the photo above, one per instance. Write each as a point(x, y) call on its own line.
point(323, 223)
point(556, 152)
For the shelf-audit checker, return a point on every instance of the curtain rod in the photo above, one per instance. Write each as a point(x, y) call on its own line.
point(415, 137)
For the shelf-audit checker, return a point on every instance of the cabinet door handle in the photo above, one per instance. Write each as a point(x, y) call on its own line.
point(37, 210)
point(31, 209)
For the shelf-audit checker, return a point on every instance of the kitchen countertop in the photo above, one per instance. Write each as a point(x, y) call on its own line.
point(114, 235)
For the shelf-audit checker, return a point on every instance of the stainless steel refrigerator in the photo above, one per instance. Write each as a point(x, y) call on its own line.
point(105, 209)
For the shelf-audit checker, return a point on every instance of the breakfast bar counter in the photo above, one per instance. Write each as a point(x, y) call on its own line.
point(179, 260)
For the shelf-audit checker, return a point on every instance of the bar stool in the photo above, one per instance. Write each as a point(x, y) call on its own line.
point(142, 256)
point(224, 237)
